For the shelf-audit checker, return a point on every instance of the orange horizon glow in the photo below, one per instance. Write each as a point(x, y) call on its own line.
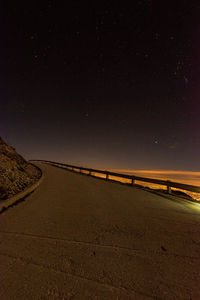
point(187, 177)
point(158, 171)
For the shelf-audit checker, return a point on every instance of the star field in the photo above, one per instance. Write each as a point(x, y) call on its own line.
point(103, 85)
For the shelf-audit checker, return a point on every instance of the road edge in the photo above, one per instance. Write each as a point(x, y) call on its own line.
point(5, 204)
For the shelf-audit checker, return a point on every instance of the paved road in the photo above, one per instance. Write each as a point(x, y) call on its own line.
point(78, 237)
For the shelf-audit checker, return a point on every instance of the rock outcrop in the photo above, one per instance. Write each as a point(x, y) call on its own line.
point(15, 172)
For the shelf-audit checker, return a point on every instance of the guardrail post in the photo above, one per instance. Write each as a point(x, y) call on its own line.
point(169, 190)
point(90, 173)
point(80, 170)
point(132, 181)
point(107, 175)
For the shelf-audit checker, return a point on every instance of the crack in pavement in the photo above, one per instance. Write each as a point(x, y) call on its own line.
point(76, 242)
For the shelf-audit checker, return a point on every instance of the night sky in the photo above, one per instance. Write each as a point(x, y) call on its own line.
point(103, 84)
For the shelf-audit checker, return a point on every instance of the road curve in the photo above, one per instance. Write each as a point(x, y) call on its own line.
point(78, 237)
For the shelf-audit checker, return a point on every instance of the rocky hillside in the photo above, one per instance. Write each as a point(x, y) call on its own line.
point(15, 172)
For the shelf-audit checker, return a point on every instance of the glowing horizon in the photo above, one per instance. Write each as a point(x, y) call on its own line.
point(159, 171)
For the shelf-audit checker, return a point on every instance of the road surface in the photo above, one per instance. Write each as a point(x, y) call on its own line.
point(78, 237)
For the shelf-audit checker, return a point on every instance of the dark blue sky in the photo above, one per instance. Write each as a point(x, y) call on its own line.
point(103, 85)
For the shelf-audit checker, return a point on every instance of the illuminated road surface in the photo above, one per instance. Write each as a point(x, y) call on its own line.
point(78, 237)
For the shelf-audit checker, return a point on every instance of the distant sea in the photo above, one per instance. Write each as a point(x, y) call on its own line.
point(187, 177)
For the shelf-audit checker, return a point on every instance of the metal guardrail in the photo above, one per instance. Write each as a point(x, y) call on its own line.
point(169, 184)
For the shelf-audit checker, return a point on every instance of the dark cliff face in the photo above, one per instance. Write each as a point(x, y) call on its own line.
point(15, 172)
